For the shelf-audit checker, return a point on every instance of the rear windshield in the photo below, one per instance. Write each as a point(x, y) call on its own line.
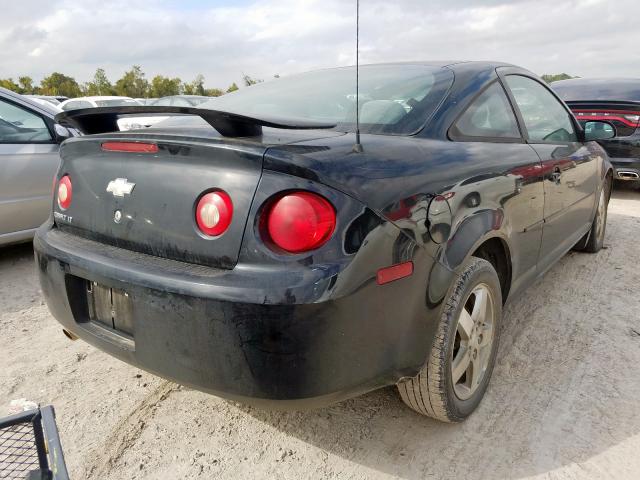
point(118, 102)
point(394, 99)
point(598, 89)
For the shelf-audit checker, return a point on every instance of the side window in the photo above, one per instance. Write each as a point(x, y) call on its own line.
point(544, 116)
point(489, 116)
point(19, 125)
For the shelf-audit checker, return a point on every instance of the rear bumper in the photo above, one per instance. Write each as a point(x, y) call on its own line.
point(626, 168)
point(215, 330)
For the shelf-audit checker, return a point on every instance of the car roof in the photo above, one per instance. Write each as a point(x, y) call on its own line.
point(464, 67)
point(598, 89)
point(183, 96)
point(26, 102)
point(100, 97)
point(598, 81)
point(468, 67)
point(451, 64)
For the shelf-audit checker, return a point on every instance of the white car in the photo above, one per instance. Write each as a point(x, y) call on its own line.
point(53, 100)
point(46, 103)
point(133, 123)
point(101, 101)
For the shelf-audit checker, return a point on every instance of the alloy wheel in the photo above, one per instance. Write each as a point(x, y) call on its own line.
point(473, 342)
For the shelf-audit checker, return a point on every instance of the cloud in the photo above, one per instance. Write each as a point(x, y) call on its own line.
point(267, 37)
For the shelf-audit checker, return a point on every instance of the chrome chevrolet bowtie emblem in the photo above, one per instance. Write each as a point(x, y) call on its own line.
point(120, 187)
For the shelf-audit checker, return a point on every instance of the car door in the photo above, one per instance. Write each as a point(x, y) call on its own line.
point(509, 176)
point(569, 168)
point(28, 161)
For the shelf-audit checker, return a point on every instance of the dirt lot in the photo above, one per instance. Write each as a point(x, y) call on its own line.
point(564, 402)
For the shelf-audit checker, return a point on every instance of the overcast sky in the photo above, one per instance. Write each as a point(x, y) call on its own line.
point(223, 39)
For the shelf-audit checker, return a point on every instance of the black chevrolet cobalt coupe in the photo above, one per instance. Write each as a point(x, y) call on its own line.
point(254, 249)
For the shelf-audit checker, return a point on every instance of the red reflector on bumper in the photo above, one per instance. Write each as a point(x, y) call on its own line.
point(395, 272)
point(132, 147)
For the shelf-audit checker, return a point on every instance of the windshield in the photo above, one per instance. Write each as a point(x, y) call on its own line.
point(394, 99)
point(117, 102)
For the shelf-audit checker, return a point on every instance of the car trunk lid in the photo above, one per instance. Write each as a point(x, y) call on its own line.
point(142, 194)
point(146, 201)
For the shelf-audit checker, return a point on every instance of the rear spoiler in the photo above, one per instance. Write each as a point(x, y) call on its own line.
point(105, 119)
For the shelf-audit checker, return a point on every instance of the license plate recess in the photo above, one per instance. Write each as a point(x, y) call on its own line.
point(111, 307)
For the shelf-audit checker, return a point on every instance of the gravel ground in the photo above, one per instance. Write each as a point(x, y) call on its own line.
point(564, 402)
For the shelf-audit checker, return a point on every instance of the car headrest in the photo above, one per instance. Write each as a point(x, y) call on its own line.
point(381, 111)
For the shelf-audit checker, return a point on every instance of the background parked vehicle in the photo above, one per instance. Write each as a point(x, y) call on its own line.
point(55, 100)
point(181, 100)
point(47, 103)
point(145, 101)
point(311, 268)
point(29, 143)
point(170, 101)
point(97, 101)
point(100, 101)
point(616, 101)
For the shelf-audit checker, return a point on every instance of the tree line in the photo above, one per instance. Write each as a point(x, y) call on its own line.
point(132, 84)
point(555, 77)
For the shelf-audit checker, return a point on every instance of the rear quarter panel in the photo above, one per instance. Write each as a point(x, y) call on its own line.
point(496, 188)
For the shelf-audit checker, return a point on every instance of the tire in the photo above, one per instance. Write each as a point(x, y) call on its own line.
point(433, 391)
point(593, 241)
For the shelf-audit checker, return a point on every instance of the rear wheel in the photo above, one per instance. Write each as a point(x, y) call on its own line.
point(593, 241)
point(453, 381)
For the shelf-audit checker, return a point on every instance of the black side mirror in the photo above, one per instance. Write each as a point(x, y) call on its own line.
point(62, 133)
point(595, 130)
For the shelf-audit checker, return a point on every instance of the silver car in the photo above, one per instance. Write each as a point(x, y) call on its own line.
point(29, 143)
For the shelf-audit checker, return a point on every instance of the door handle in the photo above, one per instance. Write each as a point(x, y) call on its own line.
point(555, 176)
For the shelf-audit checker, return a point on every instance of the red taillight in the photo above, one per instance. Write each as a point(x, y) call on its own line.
point(300, 221)
point(214, 212)
point(65, 192)
point(628, 118)
point(130, 147)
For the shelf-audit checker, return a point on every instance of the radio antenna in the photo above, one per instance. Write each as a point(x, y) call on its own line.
point(357, 148)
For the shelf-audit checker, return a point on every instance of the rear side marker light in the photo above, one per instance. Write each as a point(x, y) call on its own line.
point(65, 192)
point(394, 272)
point(214, 212)
point(130, 147)
point(299, 222)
